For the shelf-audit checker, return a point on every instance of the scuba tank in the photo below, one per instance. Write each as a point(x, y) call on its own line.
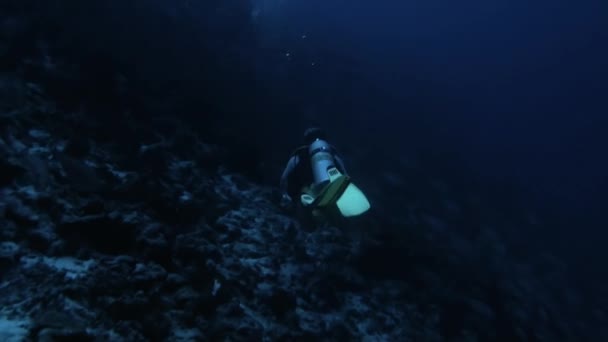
point(321, 160)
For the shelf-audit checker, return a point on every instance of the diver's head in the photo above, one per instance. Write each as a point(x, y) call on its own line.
point(313, 133)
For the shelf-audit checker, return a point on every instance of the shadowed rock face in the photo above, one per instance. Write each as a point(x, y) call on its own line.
point(119, 223)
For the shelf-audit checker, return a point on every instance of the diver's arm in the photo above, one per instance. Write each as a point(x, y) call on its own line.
point(340, 165)
point(291, 165)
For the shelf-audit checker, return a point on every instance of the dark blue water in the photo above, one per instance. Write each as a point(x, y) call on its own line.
point(513, 91)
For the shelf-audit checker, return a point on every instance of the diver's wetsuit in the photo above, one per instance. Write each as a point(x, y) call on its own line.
point(298, 172)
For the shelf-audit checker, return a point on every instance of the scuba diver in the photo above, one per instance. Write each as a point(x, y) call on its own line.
point(316, 180)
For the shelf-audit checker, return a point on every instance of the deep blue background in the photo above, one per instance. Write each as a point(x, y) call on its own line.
point(513, 91)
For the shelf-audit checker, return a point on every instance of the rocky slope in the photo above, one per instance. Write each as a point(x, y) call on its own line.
point(150, 237)
point(177, 249)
